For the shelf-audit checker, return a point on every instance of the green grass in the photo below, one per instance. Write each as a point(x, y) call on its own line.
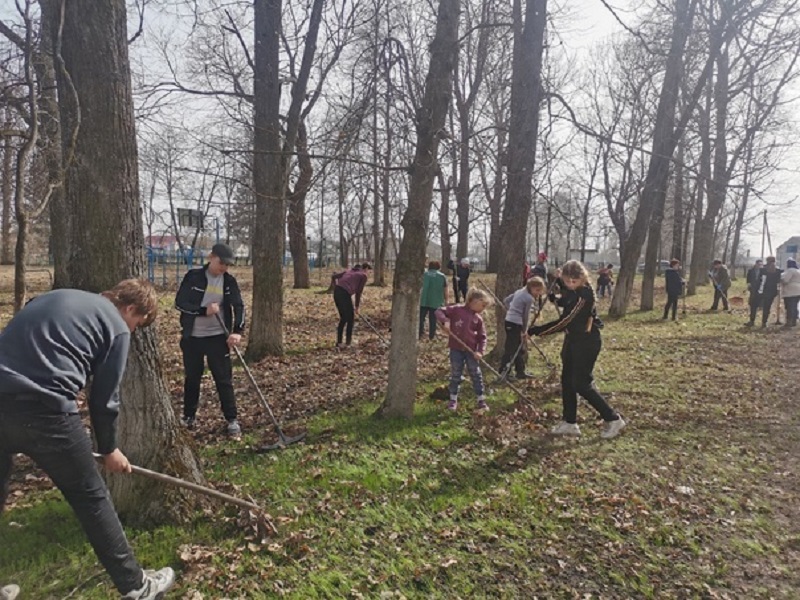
point(447, 506)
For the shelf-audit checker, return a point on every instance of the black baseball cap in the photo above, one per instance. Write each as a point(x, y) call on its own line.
point(224, 253)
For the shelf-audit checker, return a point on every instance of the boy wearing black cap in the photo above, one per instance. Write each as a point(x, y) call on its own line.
point(204, 294)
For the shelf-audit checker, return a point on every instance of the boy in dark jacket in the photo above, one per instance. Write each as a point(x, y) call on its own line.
point(769, 280)
point(205, 295)
point(722, 282)
point(674, 282)
point(753, 286)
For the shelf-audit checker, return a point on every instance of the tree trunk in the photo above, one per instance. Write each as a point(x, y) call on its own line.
point(271, 163)
point(463, 186)
point(677, 207)
point(718, 186)
point(496, 204)
point(266, 328)
point(60, 217)
point(298, 244)
point(402, 385)
point(101, 190)
point(737, 230)
point(664, 141)
point(444, 218)
point(6, 257)
point(526, 96)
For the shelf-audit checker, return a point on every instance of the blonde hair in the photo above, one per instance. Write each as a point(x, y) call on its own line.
point(139, 293)
point(535, 282)
point(575, 269)
point(478, 294)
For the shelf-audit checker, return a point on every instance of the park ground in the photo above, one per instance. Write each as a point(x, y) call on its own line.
point(697, 499)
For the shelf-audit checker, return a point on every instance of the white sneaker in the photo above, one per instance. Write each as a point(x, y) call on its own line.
point(565, 428)
point(9, 592)
point(613, 428)
point(156, 584)
point(234, 429)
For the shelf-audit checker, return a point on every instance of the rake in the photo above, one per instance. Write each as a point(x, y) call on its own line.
point(283, 439)
point(263, 523)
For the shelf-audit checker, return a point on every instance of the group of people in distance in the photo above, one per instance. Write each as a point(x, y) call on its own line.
point(463, 323)
point(765, 282)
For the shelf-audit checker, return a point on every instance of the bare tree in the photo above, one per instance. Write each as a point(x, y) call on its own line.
point(402, 386)
point(526, 96)
point(103, 196)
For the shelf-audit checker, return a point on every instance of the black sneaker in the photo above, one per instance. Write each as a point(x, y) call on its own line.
point(523, 376)
point(189, 423)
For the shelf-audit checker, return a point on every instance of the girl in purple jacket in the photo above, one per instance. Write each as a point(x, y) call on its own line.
point(464, 326)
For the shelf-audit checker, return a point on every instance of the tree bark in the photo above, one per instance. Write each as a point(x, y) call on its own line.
point(6, 256)
point(431, 117)
point(718, 186)
point(271, 163)
point(266, 328)
point(526, 96)
point(101, 189)
point(663, 147)
point(678, 198)
point(60, 217)
point(298, 244)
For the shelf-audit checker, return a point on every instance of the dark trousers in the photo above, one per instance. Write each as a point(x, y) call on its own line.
point(513, 341)
point(347, 313)
point(766, 306)
point(431, 314)
point(578, 357)
point(215, 349)
point(719, 295)
point(790, 304)
point(58, 444)
point(672, 302)
point(603, 289)
point(755, 302)
point(460, 289)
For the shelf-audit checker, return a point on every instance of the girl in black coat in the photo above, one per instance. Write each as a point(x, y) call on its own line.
point(582, 345)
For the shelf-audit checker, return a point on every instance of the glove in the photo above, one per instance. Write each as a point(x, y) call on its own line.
point(535, 330)
point(552, 297)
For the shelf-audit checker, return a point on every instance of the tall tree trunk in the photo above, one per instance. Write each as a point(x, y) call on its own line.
point(271, 163)
point(526, 96)
point(60, 217)
point(463, 187)
point(664, 141)
point(101, 190)
point(496, 204)
point(737, 230)
point(266, 328)
point(6, 257)
point(402, 385)
point(298, 244)
point(718, 186)
point(444, 218)
point(677, 206)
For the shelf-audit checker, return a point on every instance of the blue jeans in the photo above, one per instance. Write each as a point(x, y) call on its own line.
point(58, 444)
point(431, 312)
point(458, 358)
